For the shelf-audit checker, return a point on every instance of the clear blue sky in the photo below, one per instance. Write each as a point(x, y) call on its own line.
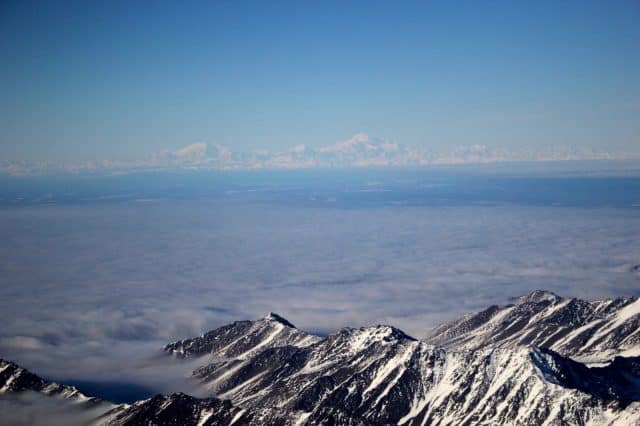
point(109, 79)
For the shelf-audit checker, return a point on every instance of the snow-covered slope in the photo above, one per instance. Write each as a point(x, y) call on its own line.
point(586, 331)
point(379, 375)
point(15, 379)
point(243, 339)
point(27, 399)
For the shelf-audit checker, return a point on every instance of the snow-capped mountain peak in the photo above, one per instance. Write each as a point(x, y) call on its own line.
point(360, 143)
point(538, 296)
point(592, 332)
point(243, 338)
point(272, 316)
point(15, 379)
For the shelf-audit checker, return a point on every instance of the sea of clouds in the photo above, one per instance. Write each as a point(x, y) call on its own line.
point(90, 292)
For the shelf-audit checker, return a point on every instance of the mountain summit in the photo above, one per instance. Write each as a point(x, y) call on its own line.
point(591, 332)
point(243, 339)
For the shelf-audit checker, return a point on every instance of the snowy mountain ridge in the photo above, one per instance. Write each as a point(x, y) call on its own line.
point(591, 332)
point(14, 379)
point(519, 364)
point(379, 375)
point(242, 339)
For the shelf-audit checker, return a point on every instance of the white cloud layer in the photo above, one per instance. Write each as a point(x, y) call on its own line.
point(92, 291)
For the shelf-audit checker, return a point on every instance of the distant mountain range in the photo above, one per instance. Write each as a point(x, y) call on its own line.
point(359, 151)
point(541, 360)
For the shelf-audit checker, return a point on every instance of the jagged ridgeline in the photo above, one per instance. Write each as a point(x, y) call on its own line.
point(541, 360)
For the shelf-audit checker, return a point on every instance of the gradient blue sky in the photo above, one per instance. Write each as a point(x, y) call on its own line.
point(118, 80)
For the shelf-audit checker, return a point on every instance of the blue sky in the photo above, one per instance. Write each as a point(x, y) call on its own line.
point(118, 80)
